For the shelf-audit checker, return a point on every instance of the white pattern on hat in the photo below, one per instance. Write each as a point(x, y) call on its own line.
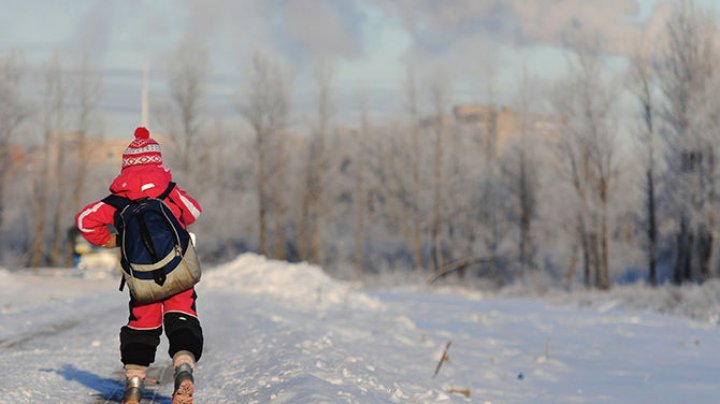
point(142, 150)
point(147, 149)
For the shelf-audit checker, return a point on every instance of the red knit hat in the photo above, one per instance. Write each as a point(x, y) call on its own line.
point(142, 150)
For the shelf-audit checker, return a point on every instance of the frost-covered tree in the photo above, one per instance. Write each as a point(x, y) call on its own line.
point(588, 151)
point(492, 192)
point(686, 70)
point(415, 162)
point(439, 101)
point(314, 207)
point(188, 71)
point(86, 91)
point(642, 85)
point(521, 170)
point(49, 167)
point(360, 193)
point(266, 106)
point(13, 112)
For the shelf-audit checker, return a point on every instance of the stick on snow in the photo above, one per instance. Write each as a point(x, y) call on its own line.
point(444, 358)
point(459, 390)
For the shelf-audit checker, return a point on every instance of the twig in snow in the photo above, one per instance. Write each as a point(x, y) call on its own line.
point(464, 391)
point(444, 358)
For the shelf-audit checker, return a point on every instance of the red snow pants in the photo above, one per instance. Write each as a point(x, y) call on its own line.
point(140, 338)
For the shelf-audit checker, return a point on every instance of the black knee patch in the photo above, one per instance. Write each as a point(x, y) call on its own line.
point(137, 347)
point(184, 333)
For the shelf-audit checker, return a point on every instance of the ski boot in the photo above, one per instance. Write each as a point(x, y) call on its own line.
point(184, 385)
point(133, 390)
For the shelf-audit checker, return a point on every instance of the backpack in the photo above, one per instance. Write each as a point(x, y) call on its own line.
point(158, 258)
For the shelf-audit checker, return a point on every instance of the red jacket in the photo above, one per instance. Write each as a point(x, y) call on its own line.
point(135, 182)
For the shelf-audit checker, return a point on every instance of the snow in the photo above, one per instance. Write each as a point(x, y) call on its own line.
point(288, 333)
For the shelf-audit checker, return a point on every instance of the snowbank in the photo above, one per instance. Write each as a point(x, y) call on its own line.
point(297, 284)
point(698, 302)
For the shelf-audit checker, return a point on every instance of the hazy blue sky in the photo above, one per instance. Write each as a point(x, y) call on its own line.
point(470, 42)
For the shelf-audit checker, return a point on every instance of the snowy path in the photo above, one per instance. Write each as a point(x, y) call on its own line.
point(287, 333)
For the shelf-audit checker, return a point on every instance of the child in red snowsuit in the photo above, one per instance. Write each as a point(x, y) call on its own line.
point(144, 175)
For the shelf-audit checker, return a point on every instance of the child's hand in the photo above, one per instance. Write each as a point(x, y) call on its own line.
point(112, 242)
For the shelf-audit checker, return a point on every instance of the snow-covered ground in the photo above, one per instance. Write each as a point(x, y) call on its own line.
point(285, 333)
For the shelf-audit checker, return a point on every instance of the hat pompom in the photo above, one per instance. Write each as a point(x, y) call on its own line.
point(141, 133)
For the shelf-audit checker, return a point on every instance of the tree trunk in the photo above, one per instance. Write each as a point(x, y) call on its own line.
point(317, 210)
point(688, 272)
point(79, 184)
point(587, 268)
point(415, 140)
point(278, 202)
point(595, 260)
point(40, 206)
point(572, 262)
point(58, 232)
point(437, 198)
point(4, 159)
point(417, 230)
point(3, 172)
point(527, 254)
point(705, 246)
point(360, 199)
point(262, 197)
point(315, 236)
point(303, 231)
point(681, 253)
point(280, 239)
point(360, 206)
point(36, 251)
point(604, 264)
point(651, 229)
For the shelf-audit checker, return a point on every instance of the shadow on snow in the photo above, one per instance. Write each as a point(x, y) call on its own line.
point(108, 389)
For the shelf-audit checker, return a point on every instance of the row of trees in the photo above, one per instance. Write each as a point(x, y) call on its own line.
point(565, 190)
point(676, 89)
point(54, 178)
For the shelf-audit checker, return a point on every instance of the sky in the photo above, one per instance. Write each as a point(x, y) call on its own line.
point(478, 47)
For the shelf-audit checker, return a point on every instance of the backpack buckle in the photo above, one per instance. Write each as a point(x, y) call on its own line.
point(159, 276)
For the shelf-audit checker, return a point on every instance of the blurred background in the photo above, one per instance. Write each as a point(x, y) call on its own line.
point(573, 141)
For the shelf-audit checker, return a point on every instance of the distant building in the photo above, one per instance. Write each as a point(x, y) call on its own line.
point(500, 125)
point(99, 152)
point(496, 127)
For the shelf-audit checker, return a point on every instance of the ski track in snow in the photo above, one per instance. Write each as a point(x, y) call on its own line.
point(276, 332)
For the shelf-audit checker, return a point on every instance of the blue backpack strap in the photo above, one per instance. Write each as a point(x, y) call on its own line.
point(167, 191)
point(118, 202)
